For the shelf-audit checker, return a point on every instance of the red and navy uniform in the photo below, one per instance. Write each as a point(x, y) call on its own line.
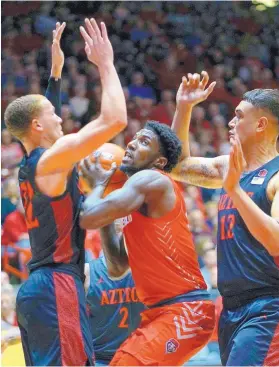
point(51, 304)
point(248, 280)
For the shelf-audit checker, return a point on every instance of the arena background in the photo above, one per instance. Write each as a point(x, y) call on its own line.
point(155, 44)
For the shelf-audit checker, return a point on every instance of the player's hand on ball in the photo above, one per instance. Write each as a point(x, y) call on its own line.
point(94, 173)
point(192, 90)
point(237, 165)
point(97, 44)
point(57, 55)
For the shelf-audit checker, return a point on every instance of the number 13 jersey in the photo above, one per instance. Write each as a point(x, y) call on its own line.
point(53, 223)
point(243, 263)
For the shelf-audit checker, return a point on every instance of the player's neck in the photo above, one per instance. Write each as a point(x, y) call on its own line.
point(256, 155)
point(31, 144)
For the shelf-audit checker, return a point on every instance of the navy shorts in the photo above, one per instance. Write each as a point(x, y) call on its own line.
point(54, 326)
point(249, 335)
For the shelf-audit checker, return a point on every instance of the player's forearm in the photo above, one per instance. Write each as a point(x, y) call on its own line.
point(97, 212)
point(181, 125)
point(56, 71)
point(263, 227)
point(53, 94)
point(113, 105)
point(117, 259)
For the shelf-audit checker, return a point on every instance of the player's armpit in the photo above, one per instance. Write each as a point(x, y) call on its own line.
point(275, 202)
point(204, 172)
point(71, 148)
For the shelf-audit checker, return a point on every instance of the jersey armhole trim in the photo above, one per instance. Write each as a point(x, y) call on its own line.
point(266, 196)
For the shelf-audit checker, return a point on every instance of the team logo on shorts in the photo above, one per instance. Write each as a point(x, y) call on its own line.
point(171, 345)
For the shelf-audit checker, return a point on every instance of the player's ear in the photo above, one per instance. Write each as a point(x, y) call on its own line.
point(36, 125)
point(160, 162)
point(262, 124)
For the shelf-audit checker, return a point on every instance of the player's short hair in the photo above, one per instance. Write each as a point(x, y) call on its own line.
point(21, 112)
point(267, 99)
point(170, 145)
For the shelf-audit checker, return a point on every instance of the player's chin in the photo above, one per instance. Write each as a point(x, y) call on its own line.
point(124, 167)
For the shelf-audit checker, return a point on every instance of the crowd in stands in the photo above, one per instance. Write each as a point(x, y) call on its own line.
point(155, 44)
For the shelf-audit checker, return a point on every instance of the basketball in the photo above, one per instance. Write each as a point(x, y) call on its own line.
point(110, 153)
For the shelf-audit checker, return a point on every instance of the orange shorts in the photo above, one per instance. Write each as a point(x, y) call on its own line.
point(168, 335)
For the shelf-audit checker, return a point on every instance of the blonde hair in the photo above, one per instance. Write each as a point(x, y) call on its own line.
point(21, 112)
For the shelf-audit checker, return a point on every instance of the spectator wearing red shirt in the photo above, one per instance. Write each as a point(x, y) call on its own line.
point(14, 232)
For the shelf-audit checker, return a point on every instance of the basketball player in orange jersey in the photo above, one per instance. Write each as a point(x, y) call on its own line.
point(180, 317)
point(51, 306)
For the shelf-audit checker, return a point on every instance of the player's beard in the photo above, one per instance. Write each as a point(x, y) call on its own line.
point(129, 170)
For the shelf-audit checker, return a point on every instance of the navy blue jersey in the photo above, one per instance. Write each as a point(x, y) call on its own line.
point(243, 263)
point(53, 223)
point(114, 309)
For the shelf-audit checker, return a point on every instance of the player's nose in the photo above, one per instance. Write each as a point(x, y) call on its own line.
point(231, 123)
point(131, 145)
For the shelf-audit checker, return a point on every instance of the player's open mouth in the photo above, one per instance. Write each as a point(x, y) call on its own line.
point(128, 155)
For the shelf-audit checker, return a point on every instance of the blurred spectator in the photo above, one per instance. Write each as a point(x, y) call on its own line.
point(133, 127)
point(137, 88)
point(79, 103)
point(14, 230)
point(69, 125)
point(209, 270)
point(165, 110)
point(11, 151)
point(14, 233)
point(4, 278)
point(8, 314)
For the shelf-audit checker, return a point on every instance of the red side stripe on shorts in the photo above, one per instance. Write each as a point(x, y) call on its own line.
point(71, 341)
point(272, 357)
point(63, 215)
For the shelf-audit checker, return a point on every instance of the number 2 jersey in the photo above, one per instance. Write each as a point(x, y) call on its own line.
point(53, 223)
point(162, 254)
point(114, 309)
point(244, 265)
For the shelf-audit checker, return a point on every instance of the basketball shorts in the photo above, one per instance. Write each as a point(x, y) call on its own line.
point(249, 335)
point(53, 322)
point(168, 335)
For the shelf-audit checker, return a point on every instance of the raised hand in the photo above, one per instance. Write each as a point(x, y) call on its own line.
point(57, 55)
point(192, 91)
point(97, 44)
point(237, 165)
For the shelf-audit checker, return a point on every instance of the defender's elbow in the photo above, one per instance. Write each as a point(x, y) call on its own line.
point(121, 121)
point(273, 248)
point(118, 120)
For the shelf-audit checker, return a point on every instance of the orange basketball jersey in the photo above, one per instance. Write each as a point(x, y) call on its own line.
point(162, 254)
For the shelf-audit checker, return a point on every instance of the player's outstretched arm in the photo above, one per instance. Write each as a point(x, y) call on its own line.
point(113, 117)
point(263, 227)
point(114, 251)
point(98, 212)
point(206, 172)
point(57, 62)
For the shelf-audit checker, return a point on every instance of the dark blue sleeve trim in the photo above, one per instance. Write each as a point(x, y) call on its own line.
point(53, 94)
